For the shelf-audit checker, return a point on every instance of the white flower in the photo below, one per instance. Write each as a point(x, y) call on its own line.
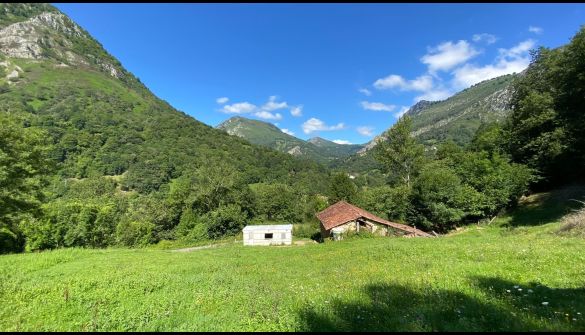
point(508, 291)
point(530, 291)
point(516, 286)
point(519, 289)
point(545, 303)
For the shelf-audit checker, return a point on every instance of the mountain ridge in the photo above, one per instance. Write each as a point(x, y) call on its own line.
point(269, 135)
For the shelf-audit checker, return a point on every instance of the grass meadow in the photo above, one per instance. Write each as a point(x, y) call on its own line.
point(509, 275)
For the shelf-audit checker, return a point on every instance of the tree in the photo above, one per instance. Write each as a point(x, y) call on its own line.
point(277, 202)
point(23, 162)
point(342, 188)
point(440, 200)
point(400, 154)
point(547, 120)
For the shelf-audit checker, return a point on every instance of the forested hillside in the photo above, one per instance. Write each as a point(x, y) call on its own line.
point(120, 166)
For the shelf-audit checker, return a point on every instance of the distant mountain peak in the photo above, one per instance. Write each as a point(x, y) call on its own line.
point(319, 141)
point(269, 135)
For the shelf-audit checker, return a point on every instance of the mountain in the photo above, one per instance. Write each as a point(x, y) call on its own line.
point(268, 135)
point(332, 149)
point(458, 117)
point(128, 166)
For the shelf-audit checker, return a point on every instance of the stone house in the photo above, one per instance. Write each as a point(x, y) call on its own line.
point(342, 217)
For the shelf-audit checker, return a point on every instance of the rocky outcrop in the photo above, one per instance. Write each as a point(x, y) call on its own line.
point(295, 151)
point(50, 35)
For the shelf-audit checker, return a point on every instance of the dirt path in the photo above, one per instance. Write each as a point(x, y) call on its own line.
point(201, 247)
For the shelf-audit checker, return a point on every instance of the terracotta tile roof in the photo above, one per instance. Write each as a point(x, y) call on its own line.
point(343, 212)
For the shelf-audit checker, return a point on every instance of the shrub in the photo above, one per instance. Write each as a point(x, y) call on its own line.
point(135, 233)
point(191, 227)
point(226, 220)
point(573, 224)
point(306, 230)
point(9, 241)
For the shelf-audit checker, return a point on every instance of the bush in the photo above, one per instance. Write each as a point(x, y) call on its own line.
point(135, 233)
point(387, 202)
point(9, 241)
point(355, 235)
point(226, 220)
point(573, 224)
point(441, 200)
point(191, 227)
point(306, 230)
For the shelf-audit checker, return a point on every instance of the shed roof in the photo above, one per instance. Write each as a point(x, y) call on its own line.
point(343, 212)
point(268, 227)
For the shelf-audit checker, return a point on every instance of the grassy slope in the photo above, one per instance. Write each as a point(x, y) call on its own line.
point(457, 282)
point(464, 111)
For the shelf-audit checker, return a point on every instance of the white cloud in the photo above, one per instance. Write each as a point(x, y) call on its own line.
point(268, 116)
point(519, 50)
point(434, 95)
point(341, 142)
point(402, 111)
point(286, 131)
point(390, 81)
point(377, 106)
point(536, 30)
point(515, 59)
point(313, 124)
point(421, 83)
point(296, 111)
point(222, 100)
point(366, 131)
point(487, 38)
point(447, 55)
point(273, 105)
point(365, 91)
point(239, 108)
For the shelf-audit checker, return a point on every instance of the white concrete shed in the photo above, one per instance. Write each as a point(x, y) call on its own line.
point(268, 234)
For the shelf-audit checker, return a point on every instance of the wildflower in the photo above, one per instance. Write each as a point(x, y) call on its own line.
point(520, 289)
point(545, 303)
point(516, 286)
point(530, 291)
point(508, 291)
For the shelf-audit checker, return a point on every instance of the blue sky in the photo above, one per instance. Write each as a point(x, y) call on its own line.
point(344, 72)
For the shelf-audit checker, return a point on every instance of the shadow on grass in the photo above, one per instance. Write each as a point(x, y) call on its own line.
point(398, 308)
point(561, 308)
point(548, 207)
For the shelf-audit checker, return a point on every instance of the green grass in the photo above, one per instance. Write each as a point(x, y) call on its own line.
point(483, 278)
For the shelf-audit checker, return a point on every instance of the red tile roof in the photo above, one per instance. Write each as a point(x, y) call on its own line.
point(343, 212)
